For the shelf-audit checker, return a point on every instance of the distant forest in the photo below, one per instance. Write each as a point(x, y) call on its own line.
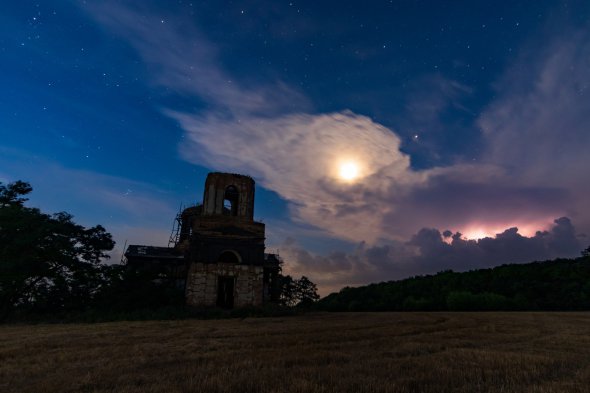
point(561, 284)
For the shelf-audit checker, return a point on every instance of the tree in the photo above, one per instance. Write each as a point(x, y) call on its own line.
point(586, 252)
point(47, 262)
point(306, 291)
point(287, 291)
point(297, 292)
point(12, 193)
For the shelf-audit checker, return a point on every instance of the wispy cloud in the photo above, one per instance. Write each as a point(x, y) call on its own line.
point(534, 160)
point(264, 130)
point(180, 58)
point(538, 126)
point(121, 205)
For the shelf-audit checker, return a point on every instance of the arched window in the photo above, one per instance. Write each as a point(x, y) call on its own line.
point(229, 256)
point(230, 201)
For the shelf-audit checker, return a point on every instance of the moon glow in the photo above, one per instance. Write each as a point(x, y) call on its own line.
point(348, 171)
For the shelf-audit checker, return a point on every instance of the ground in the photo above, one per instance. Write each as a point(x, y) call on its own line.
point(354, 352)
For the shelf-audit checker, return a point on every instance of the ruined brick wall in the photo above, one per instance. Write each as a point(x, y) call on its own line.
point(215, 187)
point(216, 234)
point(202, 280)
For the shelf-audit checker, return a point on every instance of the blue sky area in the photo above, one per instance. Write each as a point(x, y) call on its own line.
point(461, 121)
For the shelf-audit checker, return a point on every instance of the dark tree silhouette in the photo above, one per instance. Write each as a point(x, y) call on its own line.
point(47, 262)
point(297, 292)
point(306, 291)
point(561, 284)
point(287, 291)
point(12, 194)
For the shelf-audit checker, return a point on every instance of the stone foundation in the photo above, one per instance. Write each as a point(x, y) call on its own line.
point(202, 281)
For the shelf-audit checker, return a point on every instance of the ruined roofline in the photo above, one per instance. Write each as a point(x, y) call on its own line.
point(139, 250)
point(232, 174)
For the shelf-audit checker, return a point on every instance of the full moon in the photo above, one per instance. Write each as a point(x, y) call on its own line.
point(348, 171)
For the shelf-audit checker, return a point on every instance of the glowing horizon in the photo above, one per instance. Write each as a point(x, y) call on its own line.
point(477, 231)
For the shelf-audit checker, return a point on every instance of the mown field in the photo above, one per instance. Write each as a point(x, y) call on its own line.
point(353, 352)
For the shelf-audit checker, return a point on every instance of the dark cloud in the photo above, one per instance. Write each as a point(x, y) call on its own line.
point(476, 200)
point(430, 251)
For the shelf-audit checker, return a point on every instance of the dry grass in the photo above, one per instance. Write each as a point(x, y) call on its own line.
point(364, 352)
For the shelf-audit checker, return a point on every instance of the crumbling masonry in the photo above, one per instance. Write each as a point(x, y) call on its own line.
point(218, 250)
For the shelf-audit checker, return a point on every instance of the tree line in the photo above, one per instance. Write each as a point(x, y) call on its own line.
point(560, 284)
point(53, 269)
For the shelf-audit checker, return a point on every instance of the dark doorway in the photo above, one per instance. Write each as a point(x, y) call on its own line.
point(225, 292)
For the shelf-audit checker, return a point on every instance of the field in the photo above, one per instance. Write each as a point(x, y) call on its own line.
point(362, 352)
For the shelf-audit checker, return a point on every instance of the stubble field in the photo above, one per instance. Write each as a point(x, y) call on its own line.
point(356, 352)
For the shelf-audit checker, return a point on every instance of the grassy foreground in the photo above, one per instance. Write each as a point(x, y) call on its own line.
point(353, 352)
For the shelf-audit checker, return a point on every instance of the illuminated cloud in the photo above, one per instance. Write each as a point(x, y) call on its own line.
point(298, 156)
point(428, 252)
point(266, 131)
point(262, 131)
point(531, 169)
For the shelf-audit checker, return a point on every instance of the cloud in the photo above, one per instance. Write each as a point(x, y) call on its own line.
point(298, 156)
point(264, 130)
point(430, 251)
point(121, 205)
point(431, 102)
point(466, 197)
point(181, 59)
point(508, 246)
point(537, 127)
point(532, 168)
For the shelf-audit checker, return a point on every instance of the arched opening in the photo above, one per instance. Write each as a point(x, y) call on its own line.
point(229, 256)
point(230, 201)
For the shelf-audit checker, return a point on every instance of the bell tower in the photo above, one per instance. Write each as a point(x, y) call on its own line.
point(229, 195)
point(225, 246)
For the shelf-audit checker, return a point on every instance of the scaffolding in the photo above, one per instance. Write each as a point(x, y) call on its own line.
point(176, 228)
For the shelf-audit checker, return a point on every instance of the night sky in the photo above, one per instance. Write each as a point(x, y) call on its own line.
point(387, 138)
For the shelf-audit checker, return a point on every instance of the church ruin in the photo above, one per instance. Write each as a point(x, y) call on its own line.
point(217, 252)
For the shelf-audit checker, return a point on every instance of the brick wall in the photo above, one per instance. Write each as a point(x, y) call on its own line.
point(201, 288)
